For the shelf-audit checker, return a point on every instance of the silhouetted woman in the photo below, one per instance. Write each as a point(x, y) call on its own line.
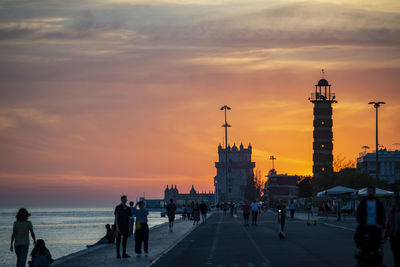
point(41, 256)
point(20, 236)
point(141, 229)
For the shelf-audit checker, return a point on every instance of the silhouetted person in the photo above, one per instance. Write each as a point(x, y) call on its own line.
point(141, 230)
point(371, 219)
point(393, 229)
point(254, 212)
point(232, 208)
point(20, 236)
point(107, 239)
point(225, 208)
point(171, 209)
point(246, 213)
point(292, 209)
point(189, 213)
point(192, 209)
point(203, 211)
point(184, 213)
point(196, 214)
point(131, 219)
point(122, 216)
point(281, 211)
point(41, 256)
point(371, 211)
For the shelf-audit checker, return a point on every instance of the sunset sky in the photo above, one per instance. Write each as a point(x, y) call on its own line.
point(100, 98)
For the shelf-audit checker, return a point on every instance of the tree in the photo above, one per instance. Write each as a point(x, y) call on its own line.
point(254, 186)
point(354, 178)
point(305, 186)
point(323, 182)
point(341, 162)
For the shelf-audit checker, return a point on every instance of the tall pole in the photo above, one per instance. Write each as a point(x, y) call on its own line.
point(376, 106)
point(377, 169)
point(272, 158)
point(226, 125)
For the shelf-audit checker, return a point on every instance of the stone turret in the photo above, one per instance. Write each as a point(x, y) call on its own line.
point(234, 167)
point(192, 191)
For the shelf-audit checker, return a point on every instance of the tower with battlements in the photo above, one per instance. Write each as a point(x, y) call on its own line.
point(322, 98)
point(239, 169)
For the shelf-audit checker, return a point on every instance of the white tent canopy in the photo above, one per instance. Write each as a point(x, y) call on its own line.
point(379, 192)
point(336, 191)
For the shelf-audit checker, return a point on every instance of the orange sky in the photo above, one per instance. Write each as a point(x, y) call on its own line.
point(103, 98)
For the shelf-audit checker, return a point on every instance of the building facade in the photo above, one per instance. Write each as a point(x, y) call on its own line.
point(389, 164)
point(234, 168)
point(280, 187)
point(322, 99)
point(187, 199)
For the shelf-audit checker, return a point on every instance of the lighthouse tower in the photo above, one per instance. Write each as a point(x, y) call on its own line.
point(322, 99)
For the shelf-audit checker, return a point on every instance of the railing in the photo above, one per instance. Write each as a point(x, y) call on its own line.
point(322, 96)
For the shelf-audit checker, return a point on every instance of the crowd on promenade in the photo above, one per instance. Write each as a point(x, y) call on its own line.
point(130, 221)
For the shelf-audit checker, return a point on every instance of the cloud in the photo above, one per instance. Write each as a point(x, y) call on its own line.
point(114, 93)
point(11, 117)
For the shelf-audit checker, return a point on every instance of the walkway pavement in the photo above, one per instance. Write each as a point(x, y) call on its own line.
point(224, 241)
point(160, 241)
point(347, 222)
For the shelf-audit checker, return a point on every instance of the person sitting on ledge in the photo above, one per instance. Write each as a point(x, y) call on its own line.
point(107, 239)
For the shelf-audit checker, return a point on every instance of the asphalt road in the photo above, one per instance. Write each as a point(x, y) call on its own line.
point(224, 241)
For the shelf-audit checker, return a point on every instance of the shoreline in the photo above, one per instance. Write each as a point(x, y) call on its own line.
point(93, 249)
point(161, 241)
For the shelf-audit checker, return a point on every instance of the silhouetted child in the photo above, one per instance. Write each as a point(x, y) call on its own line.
point(41, 256)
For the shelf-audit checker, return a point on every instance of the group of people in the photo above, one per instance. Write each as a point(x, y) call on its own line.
point(128, 220)
point(194, 211)
point(255, 208)
point(40, 255)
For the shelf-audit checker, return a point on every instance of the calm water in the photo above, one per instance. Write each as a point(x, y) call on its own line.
point(65, 230)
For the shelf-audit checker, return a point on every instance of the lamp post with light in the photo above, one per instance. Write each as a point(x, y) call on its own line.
point(376, 106)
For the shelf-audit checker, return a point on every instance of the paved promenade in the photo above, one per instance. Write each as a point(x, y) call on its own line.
point(224, 241)
point(161, 240)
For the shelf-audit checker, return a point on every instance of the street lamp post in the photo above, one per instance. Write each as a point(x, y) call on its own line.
point(272, 158)
point(226, 125)
point(376, 106)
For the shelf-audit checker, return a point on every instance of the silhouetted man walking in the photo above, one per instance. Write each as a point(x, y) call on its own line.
point(171, 209)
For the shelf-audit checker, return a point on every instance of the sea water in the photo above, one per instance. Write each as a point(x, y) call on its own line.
point(65, 230)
